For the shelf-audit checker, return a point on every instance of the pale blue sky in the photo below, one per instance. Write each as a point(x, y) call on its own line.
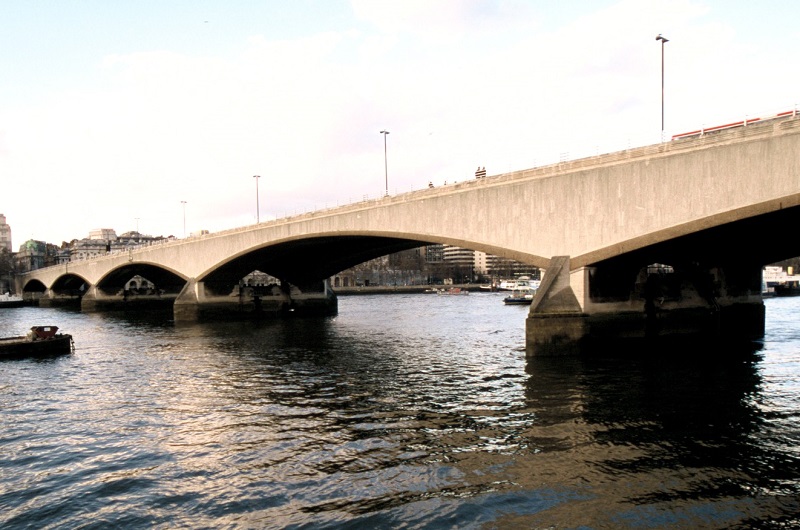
point(112, 111)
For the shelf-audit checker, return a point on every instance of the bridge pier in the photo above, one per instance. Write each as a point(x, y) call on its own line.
point(590, 306)
point(51, 299)
point(197, 303)
point(556, 323)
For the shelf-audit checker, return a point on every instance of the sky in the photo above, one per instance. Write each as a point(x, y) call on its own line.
point(155, 115)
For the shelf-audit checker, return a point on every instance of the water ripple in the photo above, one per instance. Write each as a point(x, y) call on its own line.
point(428, 418)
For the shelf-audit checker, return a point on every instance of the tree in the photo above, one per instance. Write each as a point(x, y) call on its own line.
point(6, 262)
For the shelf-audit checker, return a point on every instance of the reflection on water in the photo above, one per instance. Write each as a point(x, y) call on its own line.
point(403, 411)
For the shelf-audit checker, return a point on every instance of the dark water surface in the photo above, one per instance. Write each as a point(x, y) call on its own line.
point(404, 411)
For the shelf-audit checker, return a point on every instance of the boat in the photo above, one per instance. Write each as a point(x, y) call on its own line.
point(523, 282)
point(520, 297)
point(453, 290)
point(778, 282)
point(10, 300)
point(41, 341)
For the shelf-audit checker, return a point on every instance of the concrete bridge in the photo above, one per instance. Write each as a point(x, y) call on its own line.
point(659, 240)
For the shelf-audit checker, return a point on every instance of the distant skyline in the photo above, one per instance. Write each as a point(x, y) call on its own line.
point(111, 114)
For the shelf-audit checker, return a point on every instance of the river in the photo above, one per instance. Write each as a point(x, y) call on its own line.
point(404, 411)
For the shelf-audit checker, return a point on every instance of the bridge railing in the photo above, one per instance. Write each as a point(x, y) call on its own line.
point(741, 123)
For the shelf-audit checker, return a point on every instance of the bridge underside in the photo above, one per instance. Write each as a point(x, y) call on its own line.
point(302, 266)
point(705, 284)
point(136, 286)
point(303, 262)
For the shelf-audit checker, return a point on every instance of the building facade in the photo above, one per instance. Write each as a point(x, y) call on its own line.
point(34, 255)
point(103, 233)
point(104, 240)
point(5, 234)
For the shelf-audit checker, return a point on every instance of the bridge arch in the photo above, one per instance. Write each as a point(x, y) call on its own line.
point(730, 253)
point(706, 275)
point(760, 228)
point(69, 284)
point(302, 260)
point(34, 286)
point(164, 278)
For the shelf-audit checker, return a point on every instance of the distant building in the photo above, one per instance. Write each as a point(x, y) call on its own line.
point(63, 255)
point(498, 267)
point(104, 240)
point(103, 233)
point(133, 238)
point(448, 262)
point(434, 253)
point(89, 248)
point(6, 258)
point(34, 255)
point(481, 266)
point(5, 234)
point(460, 263)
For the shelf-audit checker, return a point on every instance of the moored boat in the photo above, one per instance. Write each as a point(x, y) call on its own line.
point(41, 341)
point(523, 282)
point(520, 297)
point(10, 300)
point(453, 290)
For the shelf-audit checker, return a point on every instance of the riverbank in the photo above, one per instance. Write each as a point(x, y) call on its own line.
point(402, 289)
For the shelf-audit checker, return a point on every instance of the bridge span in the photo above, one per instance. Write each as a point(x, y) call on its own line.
point(659, 240)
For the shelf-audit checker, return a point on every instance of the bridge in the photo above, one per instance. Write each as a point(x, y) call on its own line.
point(660, 240)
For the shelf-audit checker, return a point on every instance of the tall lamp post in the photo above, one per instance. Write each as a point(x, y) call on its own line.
point(184, 218)
point(258, 214)
point(663, 40)
point(385, 161)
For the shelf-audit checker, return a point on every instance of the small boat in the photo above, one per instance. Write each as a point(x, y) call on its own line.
point(41, 341)
point(453, 290)
point(10, 300)
point(520, 297)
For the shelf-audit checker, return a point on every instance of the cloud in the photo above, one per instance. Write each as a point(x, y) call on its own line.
point(444, 18)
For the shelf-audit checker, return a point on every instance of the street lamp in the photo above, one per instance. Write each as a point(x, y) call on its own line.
point(385, 161)
point(663, 41)
point(184, 218)
point(258, 214)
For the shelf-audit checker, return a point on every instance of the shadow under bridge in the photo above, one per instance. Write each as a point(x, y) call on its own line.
point(302, 266)
point(304, 263)
point(157, 279)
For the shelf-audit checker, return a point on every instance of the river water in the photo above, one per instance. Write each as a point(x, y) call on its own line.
point(404, 411)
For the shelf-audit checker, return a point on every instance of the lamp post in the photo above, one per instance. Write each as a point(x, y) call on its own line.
point(385, 161)
point(663, 41)
point(184, 218)
point(258, 214)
